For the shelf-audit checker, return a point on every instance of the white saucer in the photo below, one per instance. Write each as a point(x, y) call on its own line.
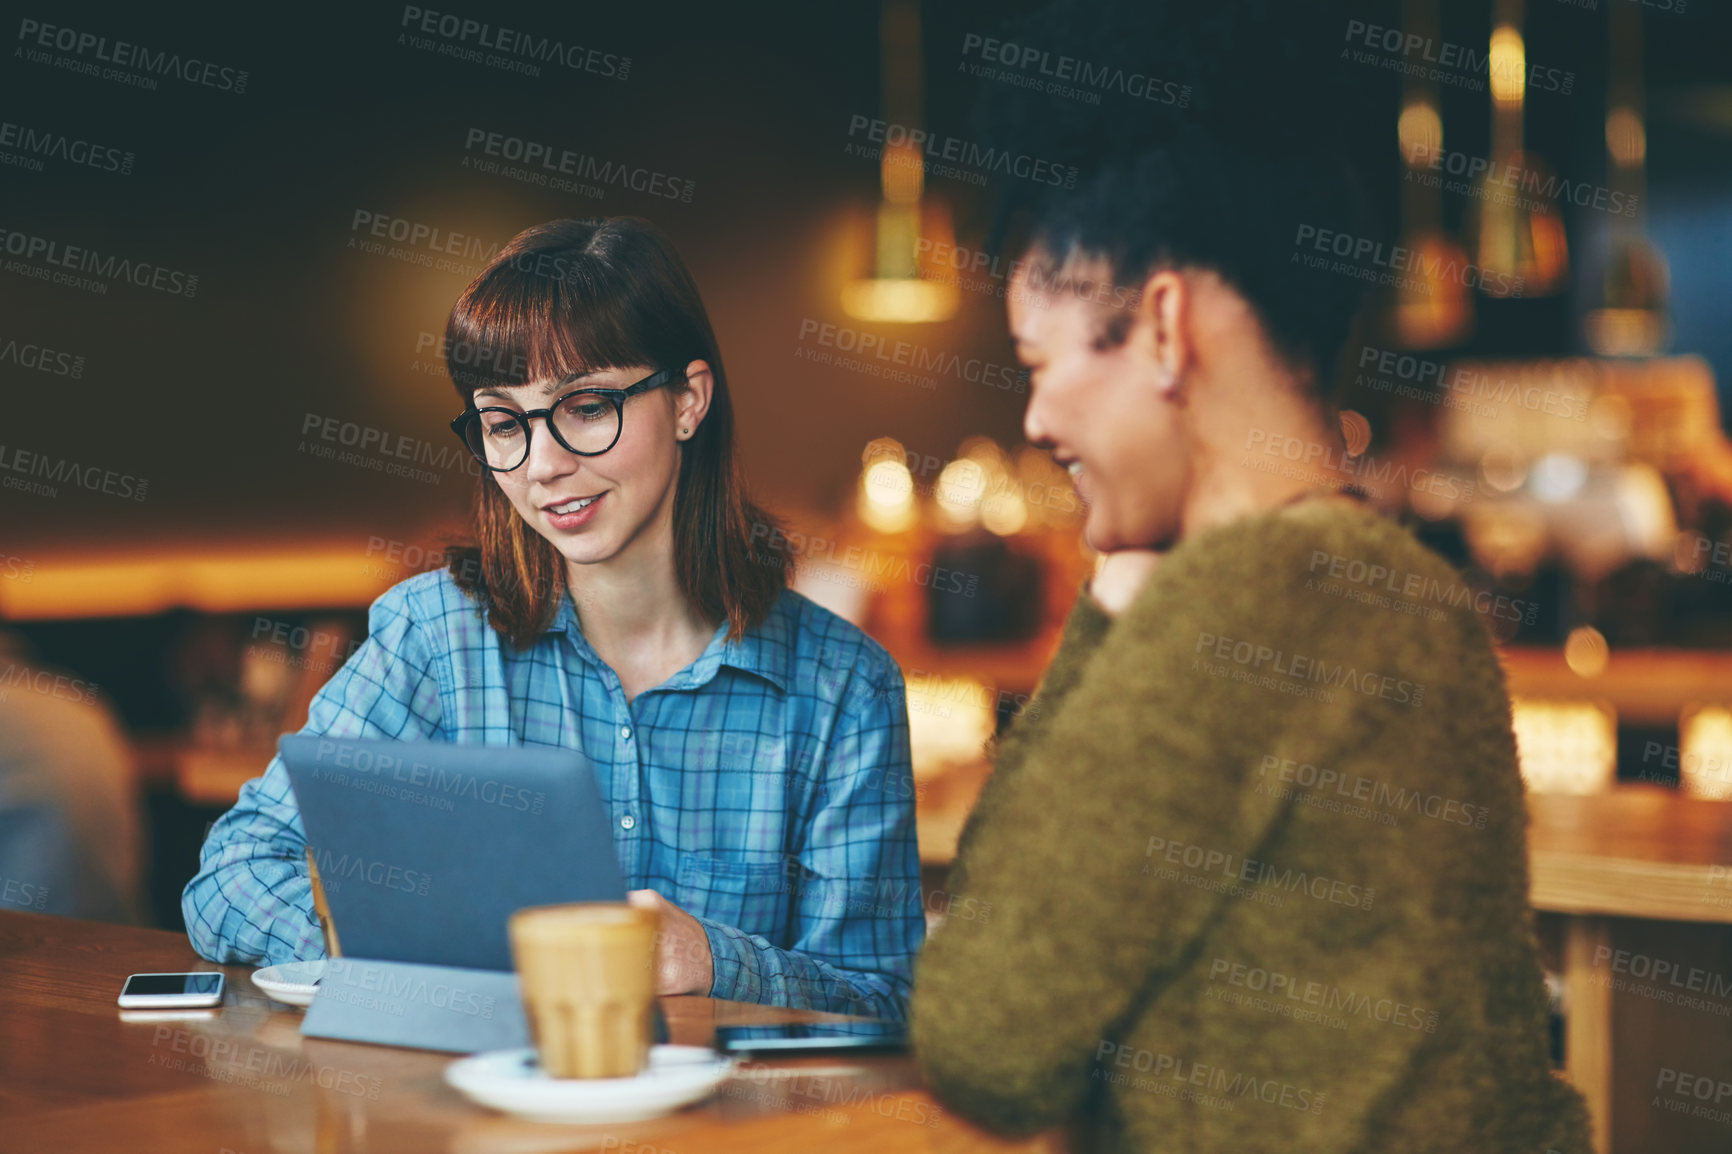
point(291, 982)
point(514, 1082)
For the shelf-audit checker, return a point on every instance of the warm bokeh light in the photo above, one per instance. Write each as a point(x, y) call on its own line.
point(1558, 476)
point(885, 501)
point(1503, 469)
point(1509, 67)
point(1355, 431)
point(1626, 139)
point(949, 720)
point(1705, 752)
point(1420, 131)
point(961, 488)
point(902, 172)
point(899, 300)
point(1004, 513)
point(1586, 651)
point(1565, 746)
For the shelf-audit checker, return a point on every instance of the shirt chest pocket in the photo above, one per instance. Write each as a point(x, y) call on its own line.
point(752, 896)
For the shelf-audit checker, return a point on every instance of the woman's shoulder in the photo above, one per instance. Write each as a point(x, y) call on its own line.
point(825, 649)
point(433, 601)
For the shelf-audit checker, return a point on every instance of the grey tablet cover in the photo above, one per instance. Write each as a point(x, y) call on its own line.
point(425, 848)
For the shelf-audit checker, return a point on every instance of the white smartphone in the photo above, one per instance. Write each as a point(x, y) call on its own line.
point(172, 991)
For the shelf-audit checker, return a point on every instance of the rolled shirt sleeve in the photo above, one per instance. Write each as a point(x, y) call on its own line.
point(854, 885)
point(251, 901)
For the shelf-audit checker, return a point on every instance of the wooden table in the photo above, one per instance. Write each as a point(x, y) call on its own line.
point(75, 1077)
point(1642, 877)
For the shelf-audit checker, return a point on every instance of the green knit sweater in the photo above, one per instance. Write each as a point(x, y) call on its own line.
point(1251, 873)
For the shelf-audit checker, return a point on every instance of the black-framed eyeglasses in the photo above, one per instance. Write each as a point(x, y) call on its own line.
point(587, 422)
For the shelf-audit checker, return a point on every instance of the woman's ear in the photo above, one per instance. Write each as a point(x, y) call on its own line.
point(1161, 334)
point(693, 401)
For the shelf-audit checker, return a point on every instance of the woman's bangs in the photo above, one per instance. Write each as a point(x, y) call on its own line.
point(516, 326)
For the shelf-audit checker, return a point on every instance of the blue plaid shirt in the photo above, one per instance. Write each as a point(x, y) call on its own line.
point(766, 788)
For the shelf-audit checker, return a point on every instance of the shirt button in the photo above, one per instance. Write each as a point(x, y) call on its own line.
point(625, 732)
point(627, 821)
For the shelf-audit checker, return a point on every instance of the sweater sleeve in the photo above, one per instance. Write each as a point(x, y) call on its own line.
point(1154, 749)
point(1085, 628)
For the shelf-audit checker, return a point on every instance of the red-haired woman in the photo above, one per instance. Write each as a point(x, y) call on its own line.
point(752, 748)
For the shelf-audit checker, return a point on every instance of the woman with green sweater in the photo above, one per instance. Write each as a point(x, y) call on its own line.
point(1255, 854)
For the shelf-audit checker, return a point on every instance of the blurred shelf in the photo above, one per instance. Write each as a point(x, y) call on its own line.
point(199, 775)
point(1645, 686)
point(213, 582)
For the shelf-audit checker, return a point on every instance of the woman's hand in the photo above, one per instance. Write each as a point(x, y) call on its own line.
point(683, 961)
point(1121, 577)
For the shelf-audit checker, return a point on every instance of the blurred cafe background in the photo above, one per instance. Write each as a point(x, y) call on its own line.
point(208, 476)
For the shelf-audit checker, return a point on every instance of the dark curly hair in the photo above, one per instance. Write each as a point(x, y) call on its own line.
point(1235, 147)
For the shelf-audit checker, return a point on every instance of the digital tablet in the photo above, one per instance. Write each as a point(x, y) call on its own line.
point(424, 849)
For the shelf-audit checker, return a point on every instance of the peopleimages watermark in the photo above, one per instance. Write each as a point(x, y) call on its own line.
point(335, 869)
point(1693, 764)
point(1389, 263)
point(1269, 452)
point(419, 243)
point(28, 463)
point(952, 156)
point(1457, 65)
point(1225, 1086)
point(299, 647)
point(476, 363)
point(1460, 387)
point(874, 566)
point(1500, 182)
point(1302, 675)
point(1705, 1096)
point(18, 675)
point(508, 49)
point(40, 358)
point(1060, 496)
point(397, 453)
point(1719, 875)
point(750, 1086)
point(88, 270)
point(1320, 1003)
point(1026, 66)
point(873, 896)
point(89, 54)
point(1709, 559)
point(978, 271)
point(882, 356)
point(564, 170)
point(1368, 581)
point(415, 781)
point(23, 894)
point(1675, 7)
point(828, 1089)
point(27, 147)
point(1285, 777)
point(243, 1062)
point(1661, 980)
point(1246, 876)
point(405, 558)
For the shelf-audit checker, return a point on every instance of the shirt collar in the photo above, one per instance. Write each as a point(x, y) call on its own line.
point(766, 649)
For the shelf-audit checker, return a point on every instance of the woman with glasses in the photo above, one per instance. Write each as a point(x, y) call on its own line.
point(620, 599)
